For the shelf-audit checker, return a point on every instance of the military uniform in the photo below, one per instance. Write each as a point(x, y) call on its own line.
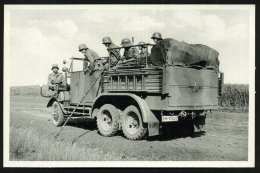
point(131, 53)
point(54, 79)
point(114, 54)
point(91, 57)
point(142, 59)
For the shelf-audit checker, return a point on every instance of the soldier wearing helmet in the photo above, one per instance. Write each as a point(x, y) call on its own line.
point(91, 58)
point(143, 53)
point(130, 53)
point(156, 37)
point(114, 53)
point(55, 78)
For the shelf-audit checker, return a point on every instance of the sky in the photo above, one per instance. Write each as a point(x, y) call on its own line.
point(38, 36)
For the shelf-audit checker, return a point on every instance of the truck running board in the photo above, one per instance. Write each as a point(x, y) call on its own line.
point(80, 111)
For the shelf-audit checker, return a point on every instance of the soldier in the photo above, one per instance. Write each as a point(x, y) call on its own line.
point(143, 54)
point(130, 53)
point(55, 78)
point(92, 59)
point(156, 37)
point(114, 53)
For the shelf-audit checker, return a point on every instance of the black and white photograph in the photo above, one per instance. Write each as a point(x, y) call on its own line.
point(129, 86)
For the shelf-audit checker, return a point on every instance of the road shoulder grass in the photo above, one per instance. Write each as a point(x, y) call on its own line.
point(28, 144)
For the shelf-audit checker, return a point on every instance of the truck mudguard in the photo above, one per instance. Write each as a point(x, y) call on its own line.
point(51, 101)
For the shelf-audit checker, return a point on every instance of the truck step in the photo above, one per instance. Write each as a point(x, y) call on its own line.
point(78, 113)
point(88, 118)
point(78, 108)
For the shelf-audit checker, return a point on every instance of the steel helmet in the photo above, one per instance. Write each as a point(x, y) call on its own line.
point(157, 35)
point(126, 42)
point(141, 42)
point(54, 66)
point(106, 40)
point(82, 47)
point(65, 69)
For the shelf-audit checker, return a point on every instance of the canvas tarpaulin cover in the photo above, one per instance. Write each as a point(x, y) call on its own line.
point(173, 52)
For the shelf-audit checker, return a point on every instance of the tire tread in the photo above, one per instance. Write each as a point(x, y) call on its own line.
point(143, 130)
point(115, 116)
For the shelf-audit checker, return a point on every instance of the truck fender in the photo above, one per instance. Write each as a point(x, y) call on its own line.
point(51, 101)
point(147, 115)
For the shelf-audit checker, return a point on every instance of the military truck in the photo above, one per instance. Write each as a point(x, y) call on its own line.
point(138, 100)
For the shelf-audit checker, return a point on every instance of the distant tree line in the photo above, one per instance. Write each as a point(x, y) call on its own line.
point(33, 90)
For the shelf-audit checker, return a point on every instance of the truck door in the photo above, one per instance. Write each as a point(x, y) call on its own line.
point(80, 84)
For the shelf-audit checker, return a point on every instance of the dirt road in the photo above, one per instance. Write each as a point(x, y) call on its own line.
point(225, 135)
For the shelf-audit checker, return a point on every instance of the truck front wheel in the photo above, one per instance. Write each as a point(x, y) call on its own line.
point(57, 114)
point(132, 124)
point(108, 120)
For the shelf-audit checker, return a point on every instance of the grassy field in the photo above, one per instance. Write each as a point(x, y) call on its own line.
point(28, 144)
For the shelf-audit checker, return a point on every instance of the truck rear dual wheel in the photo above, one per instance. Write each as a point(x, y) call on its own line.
point(57, 114)
point(132, 124)
point(108, 120)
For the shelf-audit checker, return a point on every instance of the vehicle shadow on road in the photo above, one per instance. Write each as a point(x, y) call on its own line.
point(83, 125)
point(165, 134)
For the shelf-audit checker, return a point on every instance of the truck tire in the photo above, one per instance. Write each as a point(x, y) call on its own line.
point(57, 114)
point(132, 124)
point(108, 120)
point(95, 113)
